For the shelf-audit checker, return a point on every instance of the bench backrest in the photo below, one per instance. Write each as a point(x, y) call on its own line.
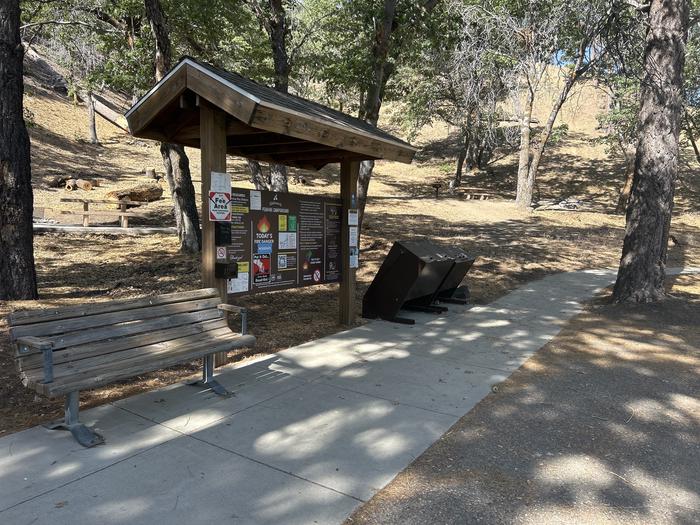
point(83, 331)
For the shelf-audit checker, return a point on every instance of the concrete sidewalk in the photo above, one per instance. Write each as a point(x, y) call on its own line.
point(311, 433)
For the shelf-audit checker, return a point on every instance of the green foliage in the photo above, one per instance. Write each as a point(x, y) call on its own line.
point(110, 43)
point(222, 32)
point(620, 122)
point(339, 57)
point(559, 133)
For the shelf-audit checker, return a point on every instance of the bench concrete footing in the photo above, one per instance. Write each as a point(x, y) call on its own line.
point(208, 378)
point(82, 434)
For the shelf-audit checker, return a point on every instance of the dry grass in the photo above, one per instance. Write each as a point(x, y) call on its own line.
point(513, 247)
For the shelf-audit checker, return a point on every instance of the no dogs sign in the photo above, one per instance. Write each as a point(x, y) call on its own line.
point(219, 206)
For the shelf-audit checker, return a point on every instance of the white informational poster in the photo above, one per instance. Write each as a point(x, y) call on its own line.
point(352, 218)
point(354, 258)
point(352, 236)
point(255, 200)
point(220, 182)
point(238, 284)
point(288, 241)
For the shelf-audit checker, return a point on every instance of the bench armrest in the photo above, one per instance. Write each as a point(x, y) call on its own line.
point(243, 312)
point(231, 308)
point(33, 345)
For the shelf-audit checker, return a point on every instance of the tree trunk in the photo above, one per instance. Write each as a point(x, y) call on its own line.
point(457, 180)
point(177, 173)
point(363, 179)
point(523, 189)
point(274, 20)
point(642, 269)
point(525, 200)
point(256, 175)
point(278, 178)
point(159, 28)
point(691, 136)
point(91, 118)
point(624, 197)
point(526, 180)
point(372, 103)
point(278, 41)
point(175, 161)
point(17, 273)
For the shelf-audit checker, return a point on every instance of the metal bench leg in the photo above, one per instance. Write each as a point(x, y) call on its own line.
point(82, 434)
point(208, 378)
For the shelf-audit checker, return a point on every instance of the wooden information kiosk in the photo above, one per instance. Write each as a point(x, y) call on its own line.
point(220, 112)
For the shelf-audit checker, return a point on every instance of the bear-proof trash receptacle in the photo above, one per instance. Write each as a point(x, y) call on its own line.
point(411, 276)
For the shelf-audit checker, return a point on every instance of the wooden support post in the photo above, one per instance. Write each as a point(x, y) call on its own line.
point(212, 123)
point(86, 216)
point(348, 196)
point(123, 219)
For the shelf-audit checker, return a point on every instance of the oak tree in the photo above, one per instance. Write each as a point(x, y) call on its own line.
point(642, 268)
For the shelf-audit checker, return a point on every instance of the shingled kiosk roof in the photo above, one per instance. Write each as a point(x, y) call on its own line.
point(263, 124)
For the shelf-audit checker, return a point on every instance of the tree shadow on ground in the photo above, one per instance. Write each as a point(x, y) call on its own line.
point(73, 269)
point(601, 425)
point(588, 426)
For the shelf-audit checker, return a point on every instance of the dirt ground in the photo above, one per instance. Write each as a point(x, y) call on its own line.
point(513, 247)
point(601, 426)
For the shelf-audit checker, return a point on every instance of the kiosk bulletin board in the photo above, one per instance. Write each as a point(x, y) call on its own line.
point(280, 240)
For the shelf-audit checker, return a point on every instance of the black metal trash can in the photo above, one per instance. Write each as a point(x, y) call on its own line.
point(411, 276)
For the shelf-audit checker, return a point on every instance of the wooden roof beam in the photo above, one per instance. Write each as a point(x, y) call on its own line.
point(154, 103)
point(285, 147)
point(328, 156)
point(262, 139)
point(365, 145)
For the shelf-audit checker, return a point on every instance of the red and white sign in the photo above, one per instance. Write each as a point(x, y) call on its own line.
point(219, 206)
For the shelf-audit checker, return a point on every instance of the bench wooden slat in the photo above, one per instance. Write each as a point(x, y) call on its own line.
point(91, 322)
point(116, 342)
point(104, 201)
point(190, 353)
point(56, 314)
point(104, 213)
point(118, 360)
point(107, 334)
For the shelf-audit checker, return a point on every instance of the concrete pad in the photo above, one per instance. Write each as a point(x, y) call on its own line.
point(311, 430)
point(37, 460)
point(486, 353)
point(186, 408)
point(402, 376)
point(350, 442)
point(185, 482)
point(311, 360)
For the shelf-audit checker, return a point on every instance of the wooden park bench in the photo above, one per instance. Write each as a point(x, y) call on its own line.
point(61, 351)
